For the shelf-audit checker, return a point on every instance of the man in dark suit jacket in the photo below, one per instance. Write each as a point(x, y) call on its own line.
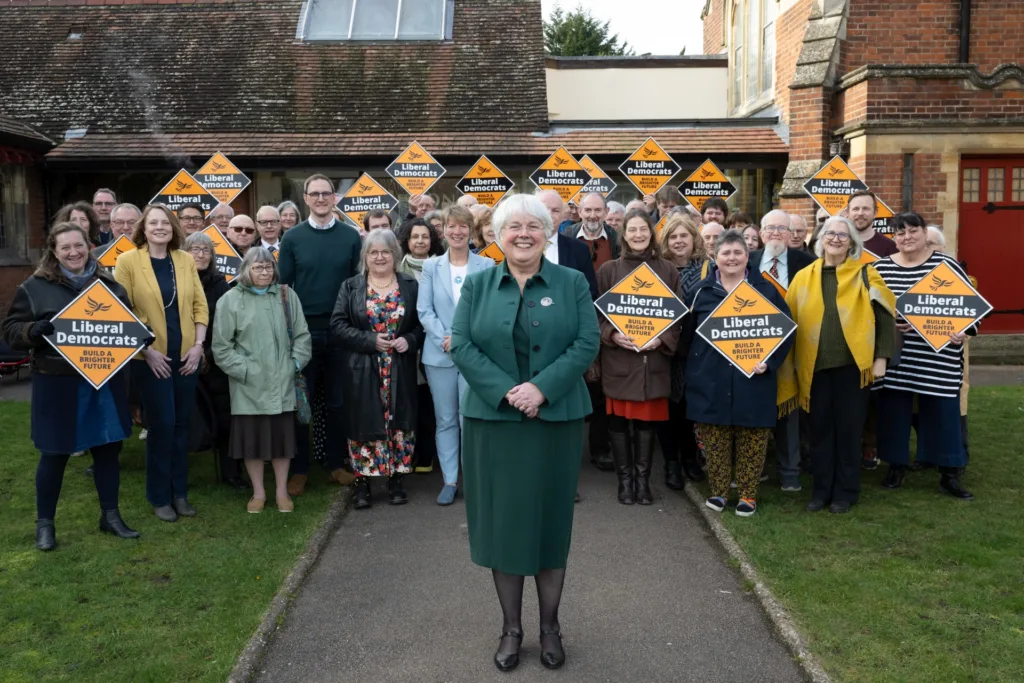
point(574, 254)
point(782, 262)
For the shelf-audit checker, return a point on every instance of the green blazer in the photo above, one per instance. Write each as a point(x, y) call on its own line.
point(564, 341)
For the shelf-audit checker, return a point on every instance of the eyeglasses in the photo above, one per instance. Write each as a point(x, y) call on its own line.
point(774, 228)
point(247, 231)
point(264, 224)
point(518, 229)
point(121, 224)
point(199, 251)
point(836, 236)
point(262, 268)
point(320, 195)
point(379, 254)
point(190, 219)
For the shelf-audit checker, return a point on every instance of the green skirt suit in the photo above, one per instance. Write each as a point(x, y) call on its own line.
point(520, 474)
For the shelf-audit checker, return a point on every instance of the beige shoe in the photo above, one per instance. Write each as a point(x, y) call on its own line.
point(343, 476)
point(297, 485)
point(255, 505)
point(285, 505)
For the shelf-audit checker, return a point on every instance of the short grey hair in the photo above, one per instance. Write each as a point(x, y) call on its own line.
point(200, 239)
point(732, 236)
point(125, 205)
point(380, 237)
point(289, 204)
point(604, 202)
point(521, 203)
point(775, 214)
point(431, 215)
point(267, 206)
point(934, 232)
point(253, 256)
point(636, 204)
point(856, 241)
point(231, 211)
point(616, 207)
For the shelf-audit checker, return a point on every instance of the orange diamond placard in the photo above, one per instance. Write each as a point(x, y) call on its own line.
point(485, 182)
point(942, 303)
point(650, 167)
point(704, 183)
point(108, 259)
point(882, 216)
point(365, 195)
point(492, 251)
point(222, 179)
point(562, 173)
point(184, 189)
point(833, 185)
point(867, 257)
point(641, 306)
point(225, 258)
point(97, 334)
point(415, 169)
point(599, 180)
point(746, 328)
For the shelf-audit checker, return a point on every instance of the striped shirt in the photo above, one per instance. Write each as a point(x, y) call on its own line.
point(920, 369)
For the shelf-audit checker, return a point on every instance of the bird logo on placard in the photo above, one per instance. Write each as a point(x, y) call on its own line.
point(742, 303)
point(833, 171)
point(363, 187)
point(217, 166)
point(93, 307)
point(639, 283)
point(648, 152)
point(182, 185)
point(483, 169)
point(414, 155)
point(939, 283)
point(560, 161)
point(706, 173)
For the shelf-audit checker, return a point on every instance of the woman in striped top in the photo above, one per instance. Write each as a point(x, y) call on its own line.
point(933, 377)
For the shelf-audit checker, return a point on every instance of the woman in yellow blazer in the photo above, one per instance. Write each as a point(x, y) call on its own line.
point(166, 294)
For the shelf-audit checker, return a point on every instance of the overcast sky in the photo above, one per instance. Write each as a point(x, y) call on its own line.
point(661, 27)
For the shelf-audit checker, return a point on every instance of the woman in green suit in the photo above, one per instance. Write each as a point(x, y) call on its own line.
point(523, 334)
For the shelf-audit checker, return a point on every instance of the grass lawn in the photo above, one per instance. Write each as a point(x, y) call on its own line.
point(178, 604)
point(911, 585)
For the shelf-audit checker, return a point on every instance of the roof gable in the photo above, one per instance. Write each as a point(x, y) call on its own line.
point(237, 66)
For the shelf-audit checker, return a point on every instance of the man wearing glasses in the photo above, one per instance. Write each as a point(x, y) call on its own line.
point(221, 216)
point(316, 257)
point(191, 217)
point(268, 224)
point(103, 202)
point(241, 233)
point(782, 262)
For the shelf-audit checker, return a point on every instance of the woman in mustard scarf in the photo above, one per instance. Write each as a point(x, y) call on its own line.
point(844, 338)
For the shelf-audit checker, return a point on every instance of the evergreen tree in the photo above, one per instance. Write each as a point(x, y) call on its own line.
point(579, 34)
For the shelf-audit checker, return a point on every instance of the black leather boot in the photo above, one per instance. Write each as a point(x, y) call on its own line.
point(396, 490)
point(950, 483)
point(643, 458)
point(46, 535)
point(894, 479)
point(673, 473)
point(361, 498)
point(111, 522)
point(692, 469)
point(622, 455)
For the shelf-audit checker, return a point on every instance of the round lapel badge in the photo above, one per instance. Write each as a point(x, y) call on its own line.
point(546, 301)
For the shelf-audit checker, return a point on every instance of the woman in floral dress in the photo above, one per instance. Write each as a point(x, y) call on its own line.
point(375, 320)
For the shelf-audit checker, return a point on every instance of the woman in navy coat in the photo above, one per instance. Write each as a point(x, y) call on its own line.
point(734, 413)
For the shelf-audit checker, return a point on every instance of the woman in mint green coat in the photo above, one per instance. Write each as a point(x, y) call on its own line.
point(523, 335)
point(251, 345)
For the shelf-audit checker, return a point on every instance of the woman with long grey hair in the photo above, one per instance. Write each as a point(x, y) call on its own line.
point(260, 341)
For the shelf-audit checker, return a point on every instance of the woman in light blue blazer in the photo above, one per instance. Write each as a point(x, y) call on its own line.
point(440, 288)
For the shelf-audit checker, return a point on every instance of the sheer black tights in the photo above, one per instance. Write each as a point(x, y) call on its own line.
point(510, 595)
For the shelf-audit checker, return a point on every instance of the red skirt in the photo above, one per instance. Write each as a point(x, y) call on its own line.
point(654, 410)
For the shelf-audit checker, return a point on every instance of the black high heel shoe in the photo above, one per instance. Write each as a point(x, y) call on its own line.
point(508, 662)
point(552, 659)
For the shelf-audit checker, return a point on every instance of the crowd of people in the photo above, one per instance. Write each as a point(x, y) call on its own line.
point(380, 351)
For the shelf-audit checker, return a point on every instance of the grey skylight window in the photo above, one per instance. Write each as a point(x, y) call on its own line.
point(376, 20)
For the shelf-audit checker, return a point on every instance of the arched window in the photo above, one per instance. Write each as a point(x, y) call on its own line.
point(751, 51)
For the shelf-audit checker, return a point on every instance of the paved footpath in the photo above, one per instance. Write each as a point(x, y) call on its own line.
point(648, 598)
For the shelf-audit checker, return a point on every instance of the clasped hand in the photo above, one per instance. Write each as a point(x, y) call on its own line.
point(525, 397)
point(627, 342)
point(383, 344)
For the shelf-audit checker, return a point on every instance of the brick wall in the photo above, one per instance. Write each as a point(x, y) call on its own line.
point(12, 276)
point(929, 181)
point(809, 117)
point(997, 33)
point(790, 27)
point(713, 28)
point(907, 32)
point(904, 99)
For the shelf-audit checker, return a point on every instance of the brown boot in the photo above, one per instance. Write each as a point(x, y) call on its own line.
point(343, 476)
point(297, 485)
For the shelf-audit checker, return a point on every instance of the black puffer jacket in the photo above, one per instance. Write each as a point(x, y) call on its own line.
point(364, 416)
point(40, 299)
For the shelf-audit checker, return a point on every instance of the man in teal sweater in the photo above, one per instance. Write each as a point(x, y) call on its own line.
point(316, 257)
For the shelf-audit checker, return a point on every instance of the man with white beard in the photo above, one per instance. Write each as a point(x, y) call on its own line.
point(782, 263)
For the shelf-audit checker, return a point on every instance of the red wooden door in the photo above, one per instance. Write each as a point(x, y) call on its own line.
point(991, 238)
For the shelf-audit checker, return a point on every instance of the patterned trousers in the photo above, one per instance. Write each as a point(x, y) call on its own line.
point(748, 444)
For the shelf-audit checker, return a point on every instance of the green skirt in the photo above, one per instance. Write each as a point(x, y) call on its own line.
point(520, 485)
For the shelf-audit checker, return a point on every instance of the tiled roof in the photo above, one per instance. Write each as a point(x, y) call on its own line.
point(9, 128)
point(235, 65)
point(728, 140)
